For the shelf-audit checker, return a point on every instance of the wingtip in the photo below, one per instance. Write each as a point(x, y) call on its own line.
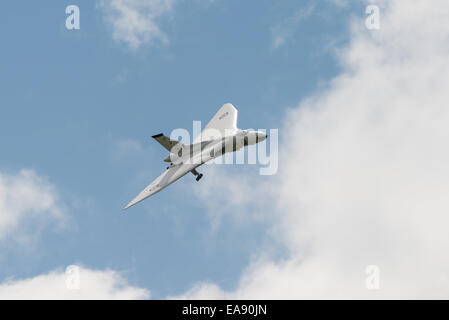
point(128, 206)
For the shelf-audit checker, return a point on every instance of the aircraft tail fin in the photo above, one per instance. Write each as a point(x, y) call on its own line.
point(224, 120)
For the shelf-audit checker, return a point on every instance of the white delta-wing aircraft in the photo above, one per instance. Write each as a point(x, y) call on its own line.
point(218, 137)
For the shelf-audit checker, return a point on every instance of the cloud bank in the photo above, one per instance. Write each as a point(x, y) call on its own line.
point(92, 284)
point(135, 22)
point(363, 175)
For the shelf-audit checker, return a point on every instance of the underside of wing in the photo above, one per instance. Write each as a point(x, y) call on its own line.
point(223, 123)
point(151, 189)
point(169, 176)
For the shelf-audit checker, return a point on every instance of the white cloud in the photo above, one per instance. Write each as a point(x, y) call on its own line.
point(135, 22)
point(363, 176)
point(27, 199)
point(93, 284)
point(286, 29)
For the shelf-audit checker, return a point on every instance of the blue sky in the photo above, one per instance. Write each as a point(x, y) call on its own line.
point(79, 107)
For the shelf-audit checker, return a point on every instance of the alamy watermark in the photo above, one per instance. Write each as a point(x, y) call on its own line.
point(372, 281)
point(73, 280)
point(229, 147)
point(372, 22)
point(72, 22)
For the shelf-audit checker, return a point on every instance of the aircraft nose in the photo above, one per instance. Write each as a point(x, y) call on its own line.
point(262, 136)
